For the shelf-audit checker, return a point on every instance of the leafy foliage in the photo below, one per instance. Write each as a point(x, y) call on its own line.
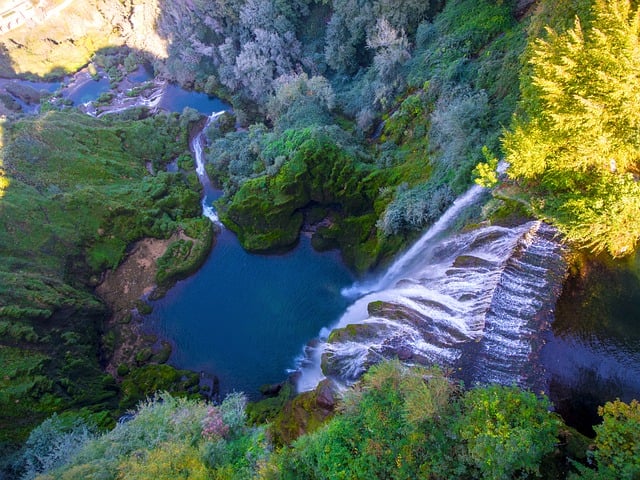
point(413, 208)
point(52, 444)
point(398, 422)
point(300, 101)
point(617, 452)
point(507, 431)
point(406, 423)
point(78, 191)
point(577, 140)
point(170, 437)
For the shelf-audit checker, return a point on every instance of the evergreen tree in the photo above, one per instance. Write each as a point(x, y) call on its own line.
point(577, 144)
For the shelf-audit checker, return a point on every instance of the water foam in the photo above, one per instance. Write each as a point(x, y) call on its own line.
point(474, 300)
point(197, 147)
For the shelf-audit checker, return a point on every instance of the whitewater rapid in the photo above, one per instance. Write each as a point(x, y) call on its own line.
point(197, 147)
point(475, 302)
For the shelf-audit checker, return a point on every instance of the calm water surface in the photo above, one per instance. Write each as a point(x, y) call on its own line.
point(88, 91)
point(175, 99)
point(592, 354)
point(245, 318)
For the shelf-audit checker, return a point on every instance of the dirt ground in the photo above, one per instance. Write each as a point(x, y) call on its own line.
point(123, 288)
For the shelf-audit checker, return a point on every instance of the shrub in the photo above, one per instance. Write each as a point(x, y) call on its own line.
point(412, 209)
point(384, 431)
point(213, 426)
point(458, 127)
point(617, 452)
point(52, 444)
point(232, 410)
point(300, 101)
point(507, 431)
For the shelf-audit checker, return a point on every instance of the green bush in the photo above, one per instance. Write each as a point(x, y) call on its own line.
point(164, 438)
point(507, 431)
point(617, 444)
point(52, 444)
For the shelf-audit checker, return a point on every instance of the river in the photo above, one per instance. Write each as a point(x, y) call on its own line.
point(246, 318)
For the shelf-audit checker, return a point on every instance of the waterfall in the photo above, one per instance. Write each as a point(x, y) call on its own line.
point(417, 250)
point(474, 302)
point(197, 147)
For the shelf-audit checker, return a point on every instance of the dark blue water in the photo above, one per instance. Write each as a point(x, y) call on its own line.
point(245, 318)
point(176, 99)
point(592, 355)
point(88, 91)
point(143, 73)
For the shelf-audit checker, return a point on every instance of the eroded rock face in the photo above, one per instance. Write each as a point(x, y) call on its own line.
point(326, 395)
point(522, 7)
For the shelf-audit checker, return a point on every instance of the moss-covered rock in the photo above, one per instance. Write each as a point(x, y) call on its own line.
point(354, 332)
point(266, 212)
point(142, 382)
point(303, 414)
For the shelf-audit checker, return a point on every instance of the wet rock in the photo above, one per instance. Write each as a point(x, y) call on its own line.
point(326, 395)
point(404, 353)
point(357, 332)
point(470, 261)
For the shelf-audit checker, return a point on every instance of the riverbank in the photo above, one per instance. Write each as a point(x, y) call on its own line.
point(76, 193)
point(125, 290)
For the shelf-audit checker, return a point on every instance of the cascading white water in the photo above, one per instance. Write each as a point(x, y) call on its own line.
point(468, 301)
point(401, 266)
point(197, 147)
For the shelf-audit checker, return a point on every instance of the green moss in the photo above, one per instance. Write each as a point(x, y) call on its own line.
point(77, 192)
point(143, 356)
point(142, 382)
point(183, 257)
point(353, 333)
point(143, 307)
point(162, 356)
point(301, 415)
point(267, 409)
point(266, 211)
point(106, 253)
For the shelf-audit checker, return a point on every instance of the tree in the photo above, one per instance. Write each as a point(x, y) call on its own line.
point(391, 47)
point(577, 145)
point(506, 431)
point(617, 453)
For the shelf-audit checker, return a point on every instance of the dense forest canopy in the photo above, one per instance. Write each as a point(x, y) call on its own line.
point(362, 118)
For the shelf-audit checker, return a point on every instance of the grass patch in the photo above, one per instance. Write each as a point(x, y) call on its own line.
point(75, 193)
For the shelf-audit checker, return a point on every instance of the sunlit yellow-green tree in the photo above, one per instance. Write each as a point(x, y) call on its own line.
point(617, 442)
point(576, 145)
